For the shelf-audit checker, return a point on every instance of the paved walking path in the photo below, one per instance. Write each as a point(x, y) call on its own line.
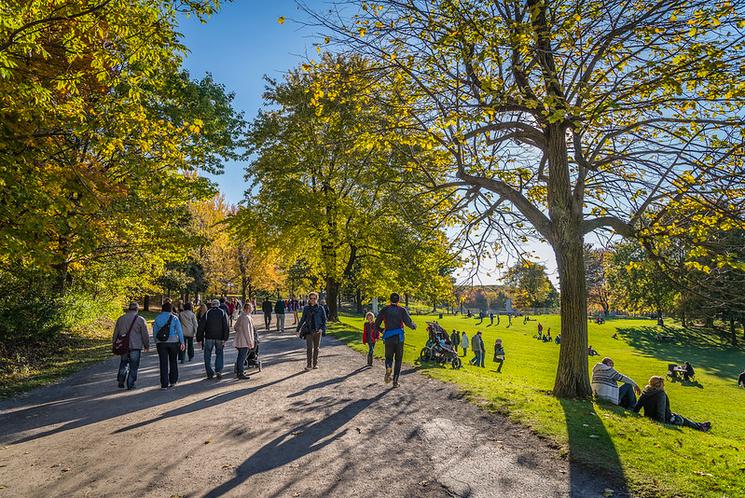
point(335, 431)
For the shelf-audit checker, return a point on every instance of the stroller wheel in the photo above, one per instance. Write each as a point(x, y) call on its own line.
point(424, 355)
point(456, 363)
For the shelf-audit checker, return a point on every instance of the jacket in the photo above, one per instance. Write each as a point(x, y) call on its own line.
point(477, 343)
point(315, 316)
point(189, 323)
point(175, 333)
point(266, 307)
point(455, 339)
point(498, 351)
point(214, 325)
point(244, 331)
point(138, 336)
point(604, 382)
point(464, 341)
point(656, 405)
point(279, 307)
point(394, 317)
point(370, 333)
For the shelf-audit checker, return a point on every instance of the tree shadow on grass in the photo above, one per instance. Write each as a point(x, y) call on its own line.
point(723, 361)
point(591, 449)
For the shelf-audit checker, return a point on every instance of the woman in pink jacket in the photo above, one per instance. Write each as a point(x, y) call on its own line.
point(244, 339)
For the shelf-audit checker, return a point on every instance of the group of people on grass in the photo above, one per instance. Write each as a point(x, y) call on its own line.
point(547, 336)
point(653, 399)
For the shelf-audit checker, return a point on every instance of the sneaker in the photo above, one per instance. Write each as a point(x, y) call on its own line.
point(164, 389)
point(172, 384)
point(388, 372)
point(307, 369)
point(315, 367)
point(395, 383)
point(242, 377)
point(209, 376)
point(218, 375)
point(131, 388)
point(706, 426)
point(121, 385)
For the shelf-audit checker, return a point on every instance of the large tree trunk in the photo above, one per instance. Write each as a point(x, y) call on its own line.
point(565, 212)
point(359, 301)
point(332, 296)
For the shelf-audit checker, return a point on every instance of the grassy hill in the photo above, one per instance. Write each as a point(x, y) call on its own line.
point(654, 459)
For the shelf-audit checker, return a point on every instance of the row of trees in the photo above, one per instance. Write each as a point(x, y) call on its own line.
point(102, 134)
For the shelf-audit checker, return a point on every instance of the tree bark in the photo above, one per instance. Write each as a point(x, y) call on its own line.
point(359, 301)
point(733, 331)
point(332, 295)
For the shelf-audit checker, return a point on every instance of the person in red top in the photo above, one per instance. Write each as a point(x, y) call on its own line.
point(370, 335)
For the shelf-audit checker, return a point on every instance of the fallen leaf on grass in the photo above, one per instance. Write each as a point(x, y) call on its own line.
point(227, 466)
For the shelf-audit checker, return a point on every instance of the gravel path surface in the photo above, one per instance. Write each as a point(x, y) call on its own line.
point(335, 431)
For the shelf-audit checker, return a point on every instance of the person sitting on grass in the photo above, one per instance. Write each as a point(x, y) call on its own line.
point(615, 336)
point(548, 336)
point(656, 406)
point(591, 351)
point(499, 354)
point(558, 339)
point(689, 372)
point(604, 385)
point(741, 379)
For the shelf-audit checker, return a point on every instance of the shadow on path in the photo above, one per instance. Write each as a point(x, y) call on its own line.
point(326, 383)
point(296, 443)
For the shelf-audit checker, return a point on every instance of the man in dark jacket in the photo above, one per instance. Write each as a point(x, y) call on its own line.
point(394, 317)
point(266, 307)
point(455, 340)
point(279, 310)
point(310, 327)
point(213, 330)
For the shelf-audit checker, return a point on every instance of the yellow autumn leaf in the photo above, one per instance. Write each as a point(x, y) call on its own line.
point(281, 20)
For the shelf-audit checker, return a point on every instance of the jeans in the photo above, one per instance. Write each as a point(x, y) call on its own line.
point(394, 354)
point(128, 366)
point(478, 359)
point(677, 419)
point(370, 351)
point(465, 352)
point(168, 358)
point(217, 345)
point(280, 322)
point(626, 396)
point(312, 343)
point(240, 363)
point(189, 350)
point(267, 320)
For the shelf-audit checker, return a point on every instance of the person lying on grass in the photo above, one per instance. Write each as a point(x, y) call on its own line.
point(605, 380)
point(656, 406)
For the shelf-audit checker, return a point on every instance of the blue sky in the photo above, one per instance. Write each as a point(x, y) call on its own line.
point(239, 45)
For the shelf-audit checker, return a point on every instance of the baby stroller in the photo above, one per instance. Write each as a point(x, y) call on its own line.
point(438, 348)
point(252, 358)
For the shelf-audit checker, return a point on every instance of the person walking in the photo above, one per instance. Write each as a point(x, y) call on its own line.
point(464, 343)
point(212, 333)
point(310, 327)
point(295, 309)
point(499, 354)
point(169, 340)
point(131, 330)
point(201, 312)
point(477, 343)
point(370, 336)
point(244, 339)
point(266, 307)
point(279, 310)
point(189, 327)
point(394, 317)
point(455, 340)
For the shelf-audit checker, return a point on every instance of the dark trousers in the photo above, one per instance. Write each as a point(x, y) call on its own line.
point(128, 366)
point(267, 320)
point(500, 361)
point(189, 350)
point(168, 358)
point(370, 352)
point(240, 363)
point(312, 342)
point(626, 396)
point(394, 355)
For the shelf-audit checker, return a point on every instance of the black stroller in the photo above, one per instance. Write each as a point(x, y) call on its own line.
point(252, 358)
point(438, 348)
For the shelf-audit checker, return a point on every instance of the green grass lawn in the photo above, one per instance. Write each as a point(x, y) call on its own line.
point(654, 459)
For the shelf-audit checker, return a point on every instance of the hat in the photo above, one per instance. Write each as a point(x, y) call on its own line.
point(133, 306)
point(215, 303)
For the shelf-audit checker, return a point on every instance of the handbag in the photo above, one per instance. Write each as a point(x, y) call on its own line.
point(121, 343)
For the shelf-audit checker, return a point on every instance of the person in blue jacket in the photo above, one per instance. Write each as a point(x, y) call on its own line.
point(169, 348)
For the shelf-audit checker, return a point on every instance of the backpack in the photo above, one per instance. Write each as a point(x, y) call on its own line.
point(165, 331)
point(121, 343)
